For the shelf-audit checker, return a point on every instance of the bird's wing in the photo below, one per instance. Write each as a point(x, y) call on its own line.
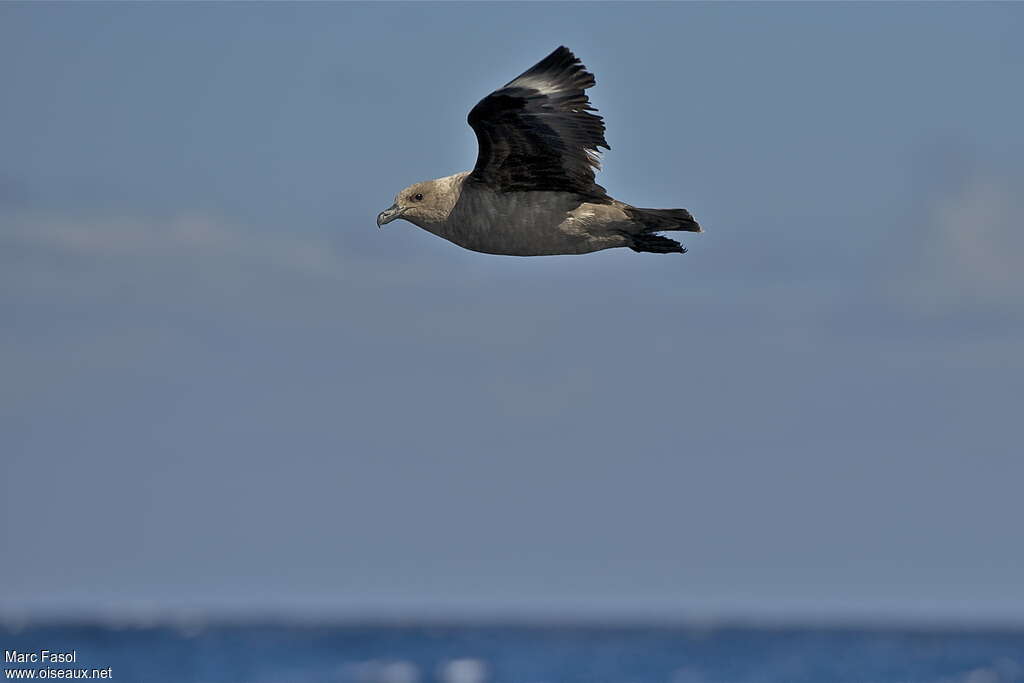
point(537, 132)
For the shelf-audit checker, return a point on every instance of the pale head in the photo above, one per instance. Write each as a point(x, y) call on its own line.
point(424, 204)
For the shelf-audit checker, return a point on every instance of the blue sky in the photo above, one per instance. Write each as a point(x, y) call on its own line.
point(223, 387)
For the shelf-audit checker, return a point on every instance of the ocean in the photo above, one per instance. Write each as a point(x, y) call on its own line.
point(276, 653)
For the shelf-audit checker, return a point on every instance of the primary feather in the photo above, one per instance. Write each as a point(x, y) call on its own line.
point(537, 132)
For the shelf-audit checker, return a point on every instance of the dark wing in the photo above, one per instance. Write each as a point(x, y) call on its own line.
point(537, 132)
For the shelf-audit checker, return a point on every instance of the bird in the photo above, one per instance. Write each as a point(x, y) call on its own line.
point(532, 191)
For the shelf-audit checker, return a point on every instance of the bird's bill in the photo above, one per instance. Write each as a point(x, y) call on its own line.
point(389, 214)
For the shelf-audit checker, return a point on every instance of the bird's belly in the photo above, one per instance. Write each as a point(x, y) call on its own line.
point(527, 225)
point(520, 240)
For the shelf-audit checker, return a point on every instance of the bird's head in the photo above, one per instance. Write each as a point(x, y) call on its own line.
point(422, 204)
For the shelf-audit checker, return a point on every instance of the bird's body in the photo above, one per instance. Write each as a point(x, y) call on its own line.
point(532, 191)
point(525, 223)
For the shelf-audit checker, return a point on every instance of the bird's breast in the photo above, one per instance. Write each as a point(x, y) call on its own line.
point(517, 223)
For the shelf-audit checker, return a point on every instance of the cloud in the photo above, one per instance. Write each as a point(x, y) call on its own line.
point(969, 257)
point(191, 259)
point(195, 238)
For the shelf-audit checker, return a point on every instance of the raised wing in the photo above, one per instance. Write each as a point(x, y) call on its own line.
point(537, 132)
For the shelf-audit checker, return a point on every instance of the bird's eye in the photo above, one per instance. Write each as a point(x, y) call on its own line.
point(418, 197)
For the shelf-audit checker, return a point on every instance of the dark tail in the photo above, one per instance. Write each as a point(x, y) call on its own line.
point(656, 220)
point(650, 221)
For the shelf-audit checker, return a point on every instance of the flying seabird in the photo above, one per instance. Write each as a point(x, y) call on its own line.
point(532, 191)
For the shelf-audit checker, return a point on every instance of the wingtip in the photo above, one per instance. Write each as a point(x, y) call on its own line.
point(564, 57)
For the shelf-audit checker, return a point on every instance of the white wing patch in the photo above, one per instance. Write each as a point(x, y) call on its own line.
point(541, 85)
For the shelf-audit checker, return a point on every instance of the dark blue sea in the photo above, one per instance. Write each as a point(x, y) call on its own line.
point(522, 654)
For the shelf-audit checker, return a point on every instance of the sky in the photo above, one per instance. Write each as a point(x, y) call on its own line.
point(224, 389)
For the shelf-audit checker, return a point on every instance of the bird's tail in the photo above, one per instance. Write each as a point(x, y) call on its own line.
point(651, 221)
point(656, 220)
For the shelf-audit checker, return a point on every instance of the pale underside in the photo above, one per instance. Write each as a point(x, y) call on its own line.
point(530, 223)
